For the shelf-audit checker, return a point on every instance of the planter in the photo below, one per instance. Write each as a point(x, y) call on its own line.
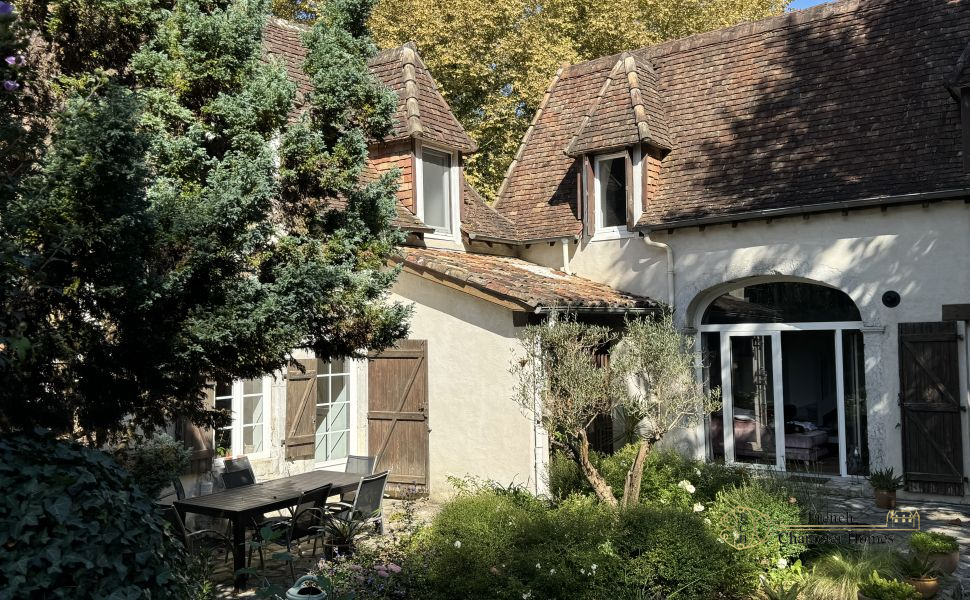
point(926, 587)
point(946, 563)
point(886, 499)
point(301, 592)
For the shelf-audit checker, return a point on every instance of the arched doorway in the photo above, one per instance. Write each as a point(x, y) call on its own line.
point(788, 359)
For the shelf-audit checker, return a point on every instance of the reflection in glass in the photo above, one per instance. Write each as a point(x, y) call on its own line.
point(612, 192)
point(856, 430)
point(752, 390)
point(781, 302)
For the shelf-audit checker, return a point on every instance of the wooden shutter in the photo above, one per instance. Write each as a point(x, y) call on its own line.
point(198, 440)
point(929, 391)
point(589, 197)
point(630, 214)
point(965, 118)
point(462, 210)
point(301, 410)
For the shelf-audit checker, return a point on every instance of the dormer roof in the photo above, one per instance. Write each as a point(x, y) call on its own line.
point(422, 113)
point(628, 110)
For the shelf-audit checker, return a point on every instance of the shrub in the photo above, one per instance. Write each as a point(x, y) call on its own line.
point(665, 469)
point(672, 553)
point(565, 478)
point(877, 588)
point(838, 574)
point(932, 542)
point(155, 462)
point(775, 512)
point(74, 525)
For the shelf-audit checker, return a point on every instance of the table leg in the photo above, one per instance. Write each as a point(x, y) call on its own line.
point(239, 550)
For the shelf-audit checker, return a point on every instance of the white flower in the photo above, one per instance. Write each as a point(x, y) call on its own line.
point(720, 541)
point(552, 571)
point(457, 543)
point(582, 571)
point(527, 595)
point(593, 566)
point(707, 521)
point(698, 507)
point(736, 534)
point(686, 485)
point(538, 565)
point(782, 563)
point(698, 471)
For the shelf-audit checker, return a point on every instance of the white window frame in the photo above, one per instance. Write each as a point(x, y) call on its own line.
point(353, 368)
point(237, 422)
point(617, 232)
point(454, 196)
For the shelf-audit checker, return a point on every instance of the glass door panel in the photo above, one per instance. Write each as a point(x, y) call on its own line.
point(753, 399)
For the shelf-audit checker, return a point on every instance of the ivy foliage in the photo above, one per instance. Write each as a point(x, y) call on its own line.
point(74, 525)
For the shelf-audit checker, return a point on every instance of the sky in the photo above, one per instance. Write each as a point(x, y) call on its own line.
point(805, 3)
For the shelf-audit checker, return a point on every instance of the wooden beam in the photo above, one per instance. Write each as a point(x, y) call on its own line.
point(956, 312)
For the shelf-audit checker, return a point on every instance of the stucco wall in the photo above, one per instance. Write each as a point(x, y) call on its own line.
point(921, 252)
point(476, 426)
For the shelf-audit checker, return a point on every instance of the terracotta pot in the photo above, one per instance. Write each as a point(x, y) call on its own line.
point(946, 563)
point(926, 587)
point(886, 499)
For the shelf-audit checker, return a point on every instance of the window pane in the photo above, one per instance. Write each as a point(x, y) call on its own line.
point(223, 389)
point(339, 417)
point(224, 403)
point(320, 449)
point(323, 390)
point(322, 412)
point(612, 191)
point(436, 178)
point(253, 386)
point(339, 383)
point(338, 446)
point(338, 365)
point(252, 410)
point(782, 302)
point(253, 439)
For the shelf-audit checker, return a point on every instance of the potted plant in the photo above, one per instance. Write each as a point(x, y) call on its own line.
point(877, 588)
point(941, 549)
point(339, 535)
point(885, 483)
point(922, 574)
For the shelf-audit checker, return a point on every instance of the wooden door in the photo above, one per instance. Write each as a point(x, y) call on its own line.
point(397, 417)
point(929, 397)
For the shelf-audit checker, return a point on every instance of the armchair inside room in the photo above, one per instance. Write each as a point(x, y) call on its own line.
point(753, 439)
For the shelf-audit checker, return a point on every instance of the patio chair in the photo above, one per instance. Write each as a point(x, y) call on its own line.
point(305, 522)
point(196, 542)
point(235, 479)
point(179, 489)
point(367, 504)
point(363, 465)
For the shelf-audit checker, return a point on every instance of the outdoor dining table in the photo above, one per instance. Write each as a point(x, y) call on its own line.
point(244, 504)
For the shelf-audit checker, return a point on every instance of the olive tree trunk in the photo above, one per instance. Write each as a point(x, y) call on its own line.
point(603, 490)
point(634, 477)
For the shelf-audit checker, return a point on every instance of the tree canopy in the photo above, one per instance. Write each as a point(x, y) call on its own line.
point(494, 59)
point(173, 227)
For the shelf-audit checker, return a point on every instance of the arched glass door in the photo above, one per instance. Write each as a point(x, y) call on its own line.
point(788, 360)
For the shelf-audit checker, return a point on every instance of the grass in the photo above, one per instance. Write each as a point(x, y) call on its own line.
point(837, 574)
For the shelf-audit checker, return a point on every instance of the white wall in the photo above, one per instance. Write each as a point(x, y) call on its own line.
point(476, 426)
point(921, 252)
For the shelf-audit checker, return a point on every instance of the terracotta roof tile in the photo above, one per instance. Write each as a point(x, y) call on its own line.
point(838, 102)
point(514, 280)
point(481, 220)
point(422, 113)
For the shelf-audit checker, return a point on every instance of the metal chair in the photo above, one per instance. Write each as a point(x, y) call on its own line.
point(364, 465)
point(368, 501)
point(196, 542)
point(235, 479)
point(179, 489)
point(306, 521)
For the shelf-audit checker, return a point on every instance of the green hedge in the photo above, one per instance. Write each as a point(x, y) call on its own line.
point(74, 525)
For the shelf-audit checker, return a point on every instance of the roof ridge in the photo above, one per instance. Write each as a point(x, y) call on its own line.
point(636, 97)
point(527, 135)
point(412, 110)
point(612, 76)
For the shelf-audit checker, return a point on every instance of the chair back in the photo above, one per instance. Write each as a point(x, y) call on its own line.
point(174, 519)
point(240, 463)
point(235, 479)
point(370, 495)
point(363, 465)
point(179, 489)
point(309, 512)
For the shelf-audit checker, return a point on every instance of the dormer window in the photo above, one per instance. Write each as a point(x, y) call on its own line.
point(617, 182)
point(436, 169)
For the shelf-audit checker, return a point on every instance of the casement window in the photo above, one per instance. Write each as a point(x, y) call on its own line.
point(438, 194)
point(616, 185)
point(335, 406)
point(248, 402)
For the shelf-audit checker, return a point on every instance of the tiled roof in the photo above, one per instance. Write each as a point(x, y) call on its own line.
point(839, 102)
point(517, 282)
point(627, 111)
point(422, 112)
point(481, 220)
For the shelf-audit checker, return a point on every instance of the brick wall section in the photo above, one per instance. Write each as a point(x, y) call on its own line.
point(384, 157)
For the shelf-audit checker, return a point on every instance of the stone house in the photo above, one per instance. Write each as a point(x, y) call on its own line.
point(796, 189)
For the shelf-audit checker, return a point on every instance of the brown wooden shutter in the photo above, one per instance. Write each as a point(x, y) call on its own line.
point(630, 215)
point(929, 398)
point(462, 210)
point(589, 197)
point(965, 118)
point(301, 409)
point(199, 440)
